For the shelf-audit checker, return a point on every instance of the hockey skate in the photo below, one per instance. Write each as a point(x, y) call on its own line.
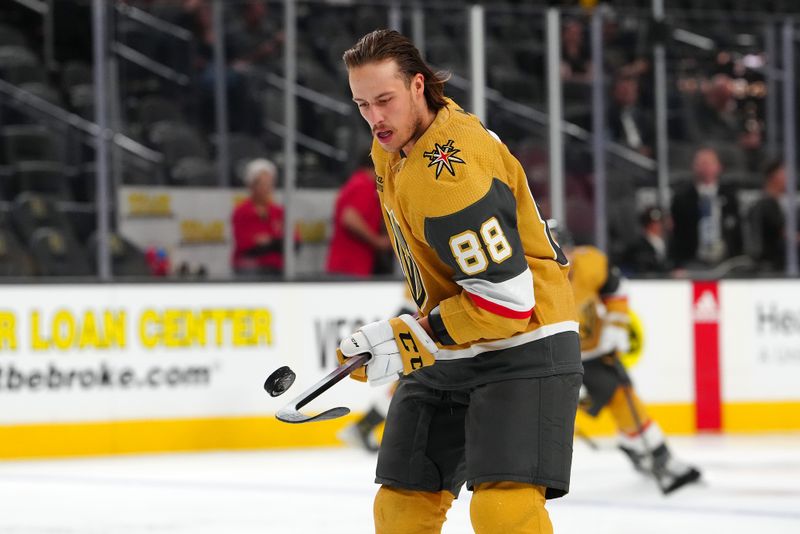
point(672, 474)
point(362, 433)
point(669, 473)
point(357, 436)
point(635, 458)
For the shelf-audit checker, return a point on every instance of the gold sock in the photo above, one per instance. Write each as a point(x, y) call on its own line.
point(399, 511)
point(621, 411)
point(509, 508)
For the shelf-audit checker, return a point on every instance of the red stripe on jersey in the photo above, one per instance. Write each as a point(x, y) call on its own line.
point(497, 309)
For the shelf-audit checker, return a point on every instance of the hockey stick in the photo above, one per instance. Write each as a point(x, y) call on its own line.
point(583, 436)
point(291, 412)
point(626, 389)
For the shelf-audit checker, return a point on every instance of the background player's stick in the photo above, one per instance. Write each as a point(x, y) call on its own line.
point(291, 412)
point(583, 436)
point(626, 389)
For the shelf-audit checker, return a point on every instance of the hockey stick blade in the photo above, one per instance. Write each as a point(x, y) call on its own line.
point(291, 412)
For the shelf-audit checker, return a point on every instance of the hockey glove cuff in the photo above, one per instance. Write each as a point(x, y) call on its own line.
point(399, 346)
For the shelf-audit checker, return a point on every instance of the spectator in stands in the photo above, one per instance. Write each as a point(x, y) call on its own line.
point(767, 221)
point(623, 53)
point(358, 240)
point(648, 255)
point(255, 37)
point(197, 16)
point(576, 64)
point(705, 214)
point(630, 125)
point(257, 224)
point(717, 117)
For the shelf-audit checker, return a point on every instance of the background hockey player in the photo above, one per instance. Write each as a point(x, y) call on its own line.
point(602, 302)
point(491, 369)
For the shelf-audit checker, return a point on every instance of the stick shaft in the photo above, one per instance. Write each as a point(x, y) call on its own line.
point(586, 439)
point(331, 379)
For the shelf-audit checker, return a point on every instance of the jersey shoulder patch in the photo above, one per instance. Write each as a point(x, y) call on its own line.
point(444, 157)
point(459, 147)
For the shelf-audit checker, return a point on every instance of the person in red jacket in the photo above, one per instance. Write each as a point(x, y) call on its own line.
point(358, 238)
point(258, 224)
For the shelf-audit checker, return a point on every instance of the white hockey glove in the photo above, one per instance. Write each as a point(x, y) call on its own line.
point(614, 338)
point(398, 346)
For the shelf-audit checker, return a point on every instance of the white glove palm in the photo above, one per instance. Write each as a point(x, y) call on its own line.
point(398, 346)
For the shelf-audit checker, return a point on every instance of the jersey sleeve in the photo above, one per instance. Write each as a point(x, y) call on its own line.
point(614, 294)
point(481, 244)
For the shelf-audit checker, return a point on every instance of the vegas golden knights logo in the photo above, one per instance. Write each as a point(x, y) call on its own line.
point(410, 269)
point(589, 324)
point(443, 157)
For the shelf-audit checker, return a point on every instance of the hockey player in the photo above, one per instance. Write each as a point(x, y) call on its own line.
point(490, 372)
point(602, 302)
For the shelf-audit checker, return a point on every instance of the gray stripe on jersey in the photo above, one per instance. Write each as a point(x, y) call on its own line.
point(498, 203)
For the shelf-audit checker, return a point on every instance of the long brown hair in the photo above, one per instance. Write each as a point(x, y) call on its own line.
point(389, 44)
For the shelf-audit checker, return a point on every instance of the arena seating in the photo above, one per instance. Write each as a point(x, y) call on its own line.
point(174, 114)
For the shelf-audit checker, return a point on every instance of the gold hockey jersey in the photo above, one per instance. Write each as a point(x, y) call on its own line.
point(600, 297)
point(478, 257)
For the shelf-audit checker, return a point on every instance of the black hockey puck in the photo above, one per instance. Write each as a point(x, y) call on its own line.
point(279, 381)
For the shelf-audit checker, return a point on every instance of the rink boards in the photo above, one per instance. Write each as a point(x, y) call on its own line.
point(95, 369)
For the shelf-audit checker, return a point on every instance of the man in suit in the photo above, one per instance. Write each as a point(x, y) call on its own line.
point(767, 221)
point(705, 213)
point(648, 255)
point(628, 123)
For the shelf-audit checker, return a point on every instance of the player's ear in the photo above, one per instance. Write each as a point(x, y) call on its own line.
point(418, 84)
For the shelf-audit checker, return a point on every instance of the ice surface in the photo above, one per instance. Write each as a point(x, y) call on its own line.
point(751, 484)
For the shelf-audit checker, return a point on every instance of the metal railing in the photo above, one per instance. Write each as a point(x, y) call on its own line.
point(39, 6)
point(86, 127)
point(542, 119)
point(151, 65)
point(154, 22)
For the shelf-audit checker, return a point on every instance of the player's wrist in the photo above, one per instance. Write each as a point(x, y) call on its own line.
point(437, 328)
point(426, 326)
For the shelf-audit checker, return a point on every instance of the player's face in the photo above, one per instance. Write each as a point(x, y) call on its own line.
point(392, 107)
